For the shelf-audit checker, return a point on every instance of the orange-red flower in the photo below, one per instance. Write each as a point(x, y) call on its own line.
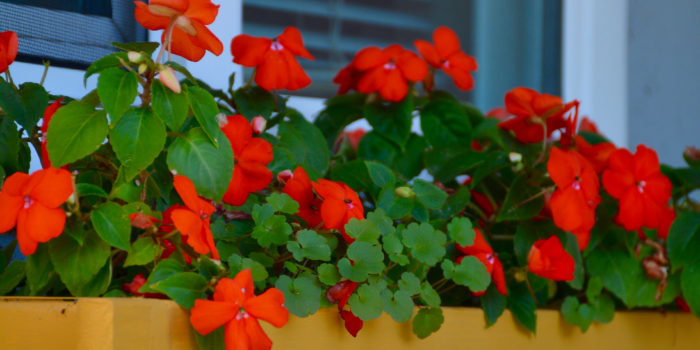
point(340, 204)
point(597, 154)
point(347, 78)
point(354, 137)
point(481, 250)
point(31, 202)
point(340, 293)
point(141, 220)
point(236, 306)
point(277, 68)
point(532, 111)
point(588, 125)
point(170, 249)
point(642, 190)
point(251, 155)
point(48, 114)
point(8, 49)
point(300, 189)
point(548, 259)
point(387, 71)
point(184, 25)
point(193, 221)
point(577, 195)
point(447, 56)
point(135, 285)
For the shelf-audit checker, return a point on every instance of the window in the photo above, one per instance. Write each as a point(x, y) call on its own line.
point(69, 33)
point(515, 42)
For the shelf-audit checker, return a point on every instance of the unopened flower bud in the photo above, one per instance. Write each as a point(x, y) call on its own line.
point(259, 123)
point(515, 157)
point(284, 176)
point(221, 119)
point(404, 192)
point(142, 68)
point(135, 57)
point(168, 78)
point(691, 154)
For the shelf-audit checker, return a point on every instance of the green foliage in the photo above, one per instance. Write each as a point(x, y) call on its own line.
point(461, 231)
point(184, 288)
point(252, 101)
point(493, 303)
point(444, 122)
point(301, 295)
point(305, 144)
point(392, 121)
point(309, 245)
point(427, 321)
point(78, 263)
point(469, 273)
point(366, 302)
point(367, 258)
point(426, 244)
point(684, 240)
point(117, 89)
point(205, 110)
point(577, 314)
point(172, 108)
point(112, 224)
point(76, 130)
point(143, 251)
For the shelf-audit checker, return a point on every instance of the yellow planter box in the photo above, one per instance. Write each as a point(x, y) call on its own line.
point(135, 323)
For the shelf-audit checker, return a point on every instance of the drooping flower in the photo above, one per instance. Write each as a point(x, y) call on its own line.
point(277, 68)
point(533, 111)
point(637, 183)
point(236, 306)
point(548, 259)
point(347, 78)
point(574, 201)
point(31, 202)
point(481, 250)
point(300, 189)
point(446, 55)
point(184, 25)
point(388, 71)
point(48, 114)
point(340, 204)
point(193, 221)
point(8, 49)
point(340, 293)
point(251, 156)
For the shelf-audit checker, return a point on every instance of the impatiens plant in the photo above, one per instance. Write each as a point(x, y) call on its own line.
point(241, 209)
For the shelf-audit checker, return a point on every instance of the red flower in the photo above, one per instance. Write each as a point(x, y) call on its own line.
point(141, 220)
point(642, 190)
point(251, 155)
point(170, 249)
point(184, 25)
point(277, 68)
point(588, 125)
point(447, 56)
point(8, 49)
point(548, 259)
point(481, 250)
point(193, 220)
point(577, 195)
point(354, 137)
point(386, 71)
point(31, 202)
point(597, 154)
point(353, 324)
point(136, 283)
point(167, 225)
point(532, 111)
point(340, 293)
point(347, 78)
point(300, 189)
point(669, 215)
point(340, 204)
point(236, 306)
point(48, 114)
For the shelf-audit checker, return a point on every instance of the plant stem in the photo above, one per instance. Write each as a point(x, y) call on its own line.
point(46, 71)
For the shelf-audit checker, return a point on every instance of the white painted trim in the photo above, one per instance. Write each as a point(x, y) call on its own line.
point(594, 45)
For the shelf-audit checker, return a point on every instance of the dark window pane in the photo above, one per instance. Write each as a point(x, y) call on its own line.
point(86, 7)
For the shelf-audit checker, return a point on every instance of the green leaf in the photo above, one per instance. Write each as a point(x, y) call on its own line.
point(38, 268)
point(429, 295)
point(444, 122)
point(428, 194)
point(275, 230)
point(35, 100)
point(77, 264)
point(394, 249)
point(212, 341)
point(522, 306)
point(427, 245)
point(571, 246)
point(341, 110)
point(169, 106)
point(493, 303)
point(375, 147)
point(469, 273)
point(184, 288)
point(76, 130)
point(391, 120)
point(2, 175)
point(310, 245)
point(595, 286)
point(399, 305)
point(112, 224)
point(164, 269)
point(461, 231)
point(145, 250)
point(11, 276)
point(366, 302)
point(205, 110)
point(690, 285)
point(87, 190)
point(604, 309)
point(254, 101)
point(10, 102)
point(137, 139)
point(210, 168)
point(409, 283)
point(110, 61)
point(362, 230)
point(9, 144)
point(147, 47)
point(395, 207)
point(305, 143)
point(380, 174)
point(367, 259)
point(427, 321)
point(520, 202)
point(577, 314)
point(301, 295)
point(446, 163)
point(328, 274)
point(117, 89)
point(283, 203)
point(684, 240)
point(98, 285)
point(382, 222)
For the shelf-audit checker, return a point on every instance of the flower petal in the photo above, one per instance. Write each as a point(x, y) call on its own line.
point(237, 289)
point(27, 245)
point(44, 223)
point(412, 67)
point(292, 41)
point(427, 50)
point(185, 188)
point(333, 212)
point(249, 51)
point(369, 57)
point(395, 87)
point(236, 337)
point(9, 207)
point(184, 45)
point(519, 101)
point(52, 188)
point(206, 39)
point(446, 41)
point(272, 73)
point(206, 315)
point(203, 11)
point(258, 339)
point(239, 132)
point(148, 19)
point(268, 306)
